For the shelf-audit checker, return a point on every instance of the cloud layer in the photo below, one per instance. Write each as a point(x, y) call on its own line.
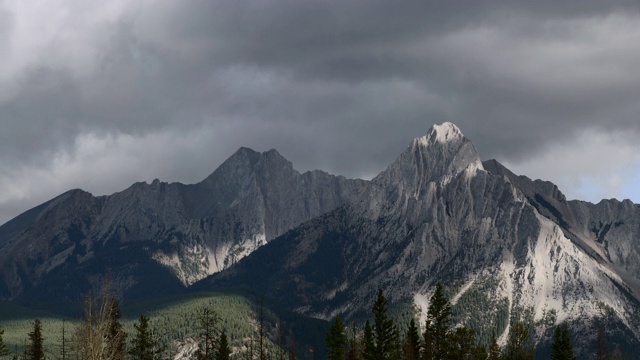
point(98, 95)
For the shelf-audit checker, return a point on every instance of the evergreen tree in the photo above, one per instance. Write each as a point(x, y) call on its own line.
point(336, 340)
point(355, 348)
point(480, 353)
point(36, 350)
point(63, 345)
point(4, 350)
point(412, 344)
point(438, 324)
point(368, 343)
point(427, 350)
point(385, 333)
point(461, 344)
point(144, 345)
point(561, 348)
point(115, 341)
point(494, 350)
point(520, 345)
point(224, 352)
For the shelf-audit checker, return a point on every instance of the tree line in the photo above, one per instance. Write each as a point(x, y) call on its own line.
point(101, 336)
point(382, 339)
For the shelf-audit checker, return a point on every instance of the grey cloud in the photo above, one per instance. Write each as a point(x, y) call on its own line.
point(338, 85)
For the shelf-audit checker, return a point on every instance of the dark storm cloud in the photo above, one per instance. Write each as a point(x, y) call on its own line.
point(337, 85)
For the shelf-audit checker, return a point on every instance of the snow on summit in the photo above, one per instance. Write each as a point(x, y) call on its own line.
point(441, 134)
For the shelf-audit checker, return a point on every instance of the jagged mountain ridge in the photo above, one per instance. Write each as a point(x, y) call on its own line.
point(438, 214)
point(160, 237)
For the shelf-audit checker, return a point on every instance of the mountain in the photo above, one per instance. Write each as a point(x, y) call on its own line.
point(508, 248)
point(159, 237)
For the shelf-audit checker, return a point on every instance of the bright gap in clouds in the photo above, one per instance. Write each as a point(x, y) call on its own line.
point(593, 166)
point(106, 163)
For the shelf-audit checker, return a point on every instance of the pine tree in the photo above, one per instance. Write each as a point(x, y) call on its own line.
point(520, 345)
point(437, 324)
point(261, 329)
point(385, 333)
point(355, 348)
point(115, 341)
point(368, 343)
point(336, 340)
point(412, 344)
point(461, 344)
point(144, 345)
point(63, 346)
point(4, 350)
point(480, 353)
point(223, 352)
point(36, 350)
point(494, 350)
point(561, 349)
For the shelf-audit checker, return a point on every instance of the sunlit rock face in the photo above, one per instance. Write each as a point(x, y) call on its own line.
point(507, 248)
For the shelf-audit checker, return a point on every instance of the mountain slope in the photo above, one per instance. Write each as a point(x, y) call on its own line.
point(437, 215)
point(160, 237)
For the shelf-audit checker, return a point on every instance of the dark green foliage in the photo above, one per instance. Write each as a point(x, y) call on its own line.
point(336, 341)
point(115, 342)
point(144, 345)
point(520, 344)
point(480, 353)
point(208, 320)
point(355, 346)
point(4, 350)
point(386, 334)
point(368, 343)
point(412, 343)
point(561, 349)
point(223, 352)
point(494, 317)
point(461, 344)
point(35, 351)
point(438, 323)
point(494, 350)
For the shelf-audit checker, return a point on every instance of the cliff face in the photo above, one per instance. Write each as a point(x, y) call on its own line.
point(160, 237)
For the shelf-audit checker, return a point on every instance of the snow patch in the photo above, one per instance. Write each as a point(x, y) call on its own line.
point(440, 134)
point(464, 289)
point(421, 301)
point(446, 132)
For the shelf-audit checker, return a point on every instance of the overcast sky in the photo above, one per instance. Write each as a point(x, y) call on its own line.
point(100, 94)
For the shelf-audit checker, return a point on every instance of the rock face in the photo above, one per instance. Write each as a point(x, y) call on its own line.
point(161, 237)
point(507, 248)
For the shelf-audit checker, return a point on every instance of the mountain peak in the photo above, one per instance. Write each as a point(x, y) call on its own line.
point(442, 134)
point(438, 156)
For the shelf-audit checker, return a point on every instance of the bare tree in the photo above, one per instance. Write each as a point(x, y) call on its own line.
point(208, 320)
point(100, 336)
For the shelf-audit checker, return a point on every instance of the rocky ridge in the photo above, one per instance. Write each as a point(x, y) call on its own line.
point(169, 235)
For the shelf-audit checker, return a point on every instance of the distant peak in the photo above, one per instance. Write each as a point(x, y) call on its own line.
point(441, 134)
point(272, 153)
